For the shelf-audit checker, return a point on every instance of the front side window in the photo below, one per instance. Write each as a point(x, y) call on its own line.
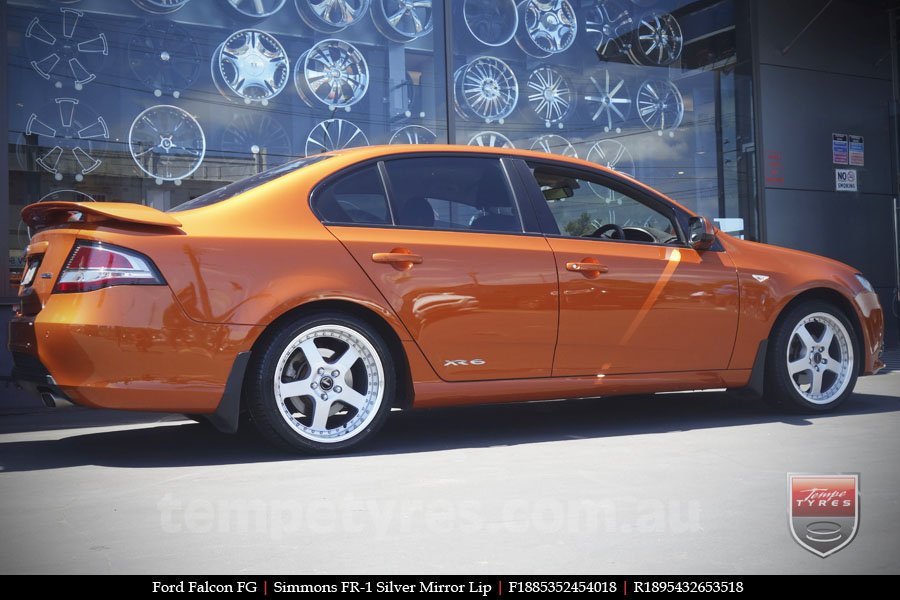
point(591, 208)
point(356, 197)
point(453, 193)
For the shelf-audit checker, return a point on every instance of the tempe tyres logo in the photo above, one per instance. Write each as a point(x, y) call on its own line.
point(823, 511)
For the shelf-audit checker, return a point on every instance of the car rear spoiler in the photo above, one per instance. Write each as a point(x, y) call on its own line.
point(45, 214)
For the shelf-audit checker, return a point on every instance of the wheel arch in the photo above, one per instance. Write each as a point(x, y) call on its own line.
point(405, 390)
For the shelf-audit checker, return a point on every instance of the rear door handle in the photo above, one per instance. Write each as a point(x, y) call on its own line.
point(399, 258)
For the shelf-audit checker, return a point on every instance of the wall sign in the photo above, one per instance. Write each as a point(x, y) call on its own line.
point(840, 151)
point(857, 150)
point(845, 180)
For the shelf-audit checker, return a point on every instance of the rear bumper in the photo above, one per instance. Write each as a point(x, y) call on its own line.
point(125, 347)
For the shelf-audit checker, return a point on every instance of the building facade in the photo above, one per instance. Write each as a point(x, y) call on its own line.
point(776, 119)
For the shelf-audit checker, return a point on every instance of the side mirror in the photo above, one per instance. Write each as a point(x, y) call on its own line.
point(702, 233)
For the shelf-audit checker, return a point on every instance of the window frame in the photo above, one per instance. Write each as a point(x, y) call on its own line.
point(620, 185)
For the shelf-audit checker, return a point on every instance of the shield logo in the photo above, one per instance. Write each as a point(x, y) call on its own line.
point(823, 511)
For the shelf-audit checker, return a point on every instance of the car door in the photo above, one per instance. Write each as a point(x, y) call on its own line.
point(648, 303)
point(448, 252)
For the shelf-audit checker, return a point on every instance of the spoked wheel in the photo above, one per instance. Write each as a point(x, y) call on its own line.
point(322, 384)
point(812, 364)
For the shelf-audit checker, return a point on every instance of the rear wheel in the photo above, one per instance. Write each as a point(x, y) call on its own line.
point(323, 383)
point(812, 362)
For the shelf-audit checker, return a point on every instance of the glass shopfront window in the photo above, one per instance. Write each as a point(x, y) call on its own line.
point(162, 101)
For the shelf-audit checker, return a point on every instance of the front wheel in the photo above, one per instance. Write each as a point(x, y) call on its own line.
point(323, 383)
point(812, 362)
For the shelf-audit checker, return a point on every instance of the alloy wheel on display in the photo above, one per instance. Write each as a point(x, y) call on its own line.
point(65, 48)
point(487, 89)
point(554, 144)
point(331, 16)
point(333, 73)
point(490, 139)
point(166, 143)
point(334, 134)
point(491, 22)
point(413, 134)
point(258, 136)
point(609, 102)
point(161, 7)
point(164, 57)
point(660, 105)
point(402, 20)
point(550, 95)
point(658, 40)
point(256, 9)
point(251, 65)
point(614, 155)
point(610, 28)
point(547, 27)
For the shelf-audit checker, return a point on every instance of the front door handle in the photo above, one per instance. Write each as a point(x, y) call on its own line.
point(399, 258)
point(589, 267)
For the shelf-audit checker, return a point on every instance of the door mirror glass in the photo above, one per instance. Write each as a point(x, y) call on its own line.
point(702, 233)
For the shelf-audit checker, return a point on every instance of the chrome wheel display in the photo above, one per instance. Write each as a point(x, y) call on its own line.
point(402, 20)
point(257, 9)
point(166, 143)
point(550, 95)
point(413, 134)
point(486, 88)
point(332, 72)
point(161, 7)
point(63, 138)
point(820, 358)
point(257, 136)
point(334, 134)
point(610, 104)
point(658, 40)
point(490, 139)
point(491, 22)
point(610, 28)
point(329, 383)
point(163, 57)
point(67, 49)
point(251, 65)
point(554, 144)
point(329, 16)
point(548, 27)
point(612, 154)
point(660, 105)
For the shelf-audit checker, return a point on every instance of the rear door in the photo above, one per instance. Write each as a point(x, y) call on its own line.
point(449, 253)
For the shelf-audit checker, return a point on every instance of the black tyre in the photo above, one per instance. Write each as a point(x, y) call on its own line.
point(813, 359)
point(320, 384)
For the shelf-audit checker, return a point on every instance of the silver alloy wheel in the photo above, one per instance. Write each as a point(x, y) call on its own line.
point(609, 27)
point(491, 22)
point(403, 20)
point(820, 359)
point(251, 64)
point(65, 48)
point(550, 95)
point(334, 73)
point(161, 7)
point(330, 16)
point(612, 154)
point(658, 40)
point(554, 144)
point(166, 143)
point(549, 27)
point(486, 88)
point(660, 105)
point(163, 56)
point(329, 383)
point(413, 134)
point(490, 139)
point(257, 9)
point(334, 134)
point(611, 103)
point(258, 141)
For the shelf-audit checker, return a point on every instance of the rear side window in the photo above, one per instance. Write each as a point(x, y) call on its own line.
point(356, 197)
point(454, 193)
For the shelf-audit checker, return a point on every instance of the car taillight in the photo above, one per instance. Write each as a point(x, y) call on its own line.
point(94, 265)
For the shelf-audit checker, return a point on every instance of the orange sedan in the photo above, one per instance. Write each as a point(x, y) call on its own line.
point(317, 296)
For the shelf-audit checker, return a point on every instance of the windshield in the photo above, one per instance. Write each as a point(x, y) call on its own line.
point(238, 187)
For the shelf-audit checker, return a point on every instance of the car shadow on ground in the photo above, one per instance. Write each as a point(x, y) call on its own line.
point(165, 442)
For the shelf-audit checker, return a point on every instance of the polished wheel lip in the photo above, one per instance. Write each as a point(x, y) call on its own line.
point(333, 73)
point(337, 389)
point(549, 27)
point(611, 101)
point(806, 354)
point(476, 15)
point(660, 105)
point(486, 88)
point(552, 143)
point(551, 95)
point(403, 20)
point(259, 9)
point(609, 25)
point(324, 135)
point(331, 16)
point(490, 139)
point(256, 70)
point(658, 40)
point(168, 139)
point(414, 134)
